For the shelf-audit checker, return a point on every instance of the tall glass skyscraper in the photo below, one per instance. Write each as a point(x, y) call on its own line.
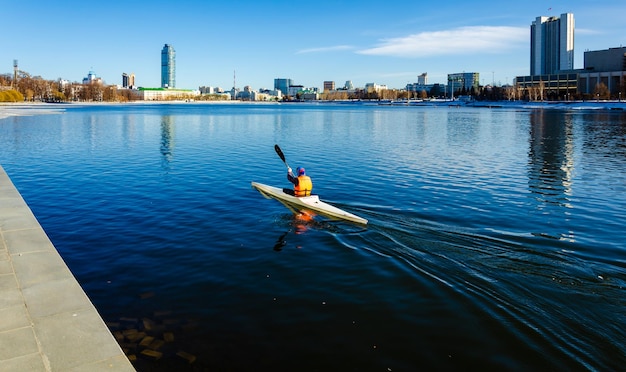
point(168, 67)
point(552, 44)
point(282, 85)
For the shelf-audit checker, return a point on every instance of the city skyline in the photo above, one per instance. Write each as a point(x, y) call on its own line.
point(308, 43)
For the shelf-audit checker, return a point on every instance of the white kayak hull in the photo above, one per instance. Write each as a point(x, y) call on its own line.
point(312, 203)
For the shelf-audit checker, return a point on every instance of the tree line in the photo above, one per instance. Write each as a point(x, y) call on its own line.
point(35, 88)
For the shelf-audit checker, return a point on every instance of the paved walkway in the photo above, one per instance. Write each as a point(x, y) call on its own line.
point(47, 323)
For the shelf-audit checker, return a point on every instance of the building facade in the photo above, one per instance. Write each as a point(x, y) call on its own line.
point(163, 94)
point(463, 80)
point(283, 85)
point(603, 76)
point(168, 67)
point(329, 85)
point(604, 67)
point(92, 78)
point(422, 79)
point(552, 44)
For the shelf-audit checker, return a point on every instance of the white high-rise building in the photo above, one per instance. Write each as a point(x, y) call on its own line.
point(552, 44)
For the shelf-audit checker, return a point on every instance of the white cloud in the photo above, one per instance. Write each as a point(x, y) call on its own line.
point(463, 40)
point(325, 49)
point(587, 31)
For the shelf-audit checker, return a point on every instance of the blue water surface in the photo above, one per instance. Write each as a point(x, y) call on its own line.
point(496, 236)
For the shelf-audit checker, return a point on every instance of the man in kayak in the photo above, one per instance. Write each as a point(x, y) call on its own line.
point(302, 184)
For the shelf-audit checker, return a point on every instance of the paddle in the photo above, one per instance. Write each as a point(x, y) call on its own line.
point(282, 156)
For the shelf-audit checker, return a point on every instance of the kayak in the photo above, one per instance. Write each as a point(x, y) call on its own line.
point(312, 203)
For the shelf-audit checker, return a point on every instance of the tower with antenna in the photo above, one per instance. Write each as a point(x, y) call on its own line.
point(234, 91)
point(14, 82)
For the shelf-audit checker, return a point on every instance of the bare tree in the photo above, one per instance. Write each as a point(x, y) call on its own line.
point(601, 91)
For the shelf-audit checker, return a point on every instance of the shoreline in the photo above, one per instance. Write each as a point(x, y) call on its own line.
point(10, 109)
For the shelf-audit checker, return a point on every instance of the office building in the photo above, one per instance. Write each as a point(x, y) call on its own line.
point(329, 85)
point(552, 44)
point(604, 67)
point(552, 65)
point(283, 85)
point(422, 79)
point(128, 81)
point(92, 78)
point(463, 81)
point(168, 67)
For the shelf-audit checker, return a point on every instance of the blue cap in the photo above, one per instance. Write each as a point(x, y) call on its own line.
point(300, 171)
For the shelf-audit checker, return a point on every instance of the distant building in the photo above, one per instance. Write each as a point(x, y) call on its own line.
point(168, 67)
point(552, 59)
point(207, 90)
point(348, 85)
point(423, 86)
point(329, 85)
point(293, 90)
point(422, 79)
point(128, 81)
point(309, 96)
point(275, 94)
point(283, 85)
point(606, 67)
point(247, 94)
point(428, 88)
point(374, 88)
point(210, 90)
point(601, 67)
point(164, 94)
point(612, 59)
point(464, 80)
point(552, 44)
point(92, 78)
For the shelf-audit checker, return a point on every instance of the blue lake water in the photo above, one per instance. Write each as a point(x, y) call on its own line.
point(496, 236)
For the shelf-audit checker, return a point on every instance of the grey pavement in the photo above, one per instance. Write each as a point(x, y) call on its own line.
point(47, 322)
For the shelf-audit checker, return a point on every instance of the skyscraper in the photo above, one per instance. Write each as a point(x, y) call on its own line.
point(552, 44)
point(168, 67)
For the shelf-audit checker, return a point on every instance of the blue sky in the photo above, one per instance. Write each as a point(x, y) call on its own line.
point(363, 41)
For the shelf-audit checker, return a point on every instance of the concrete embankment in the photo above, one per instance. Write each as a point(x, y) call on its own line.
point(47, 322)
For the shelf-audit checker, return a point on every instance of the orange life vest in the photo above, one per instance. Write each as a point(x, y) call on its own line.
point(304, 186)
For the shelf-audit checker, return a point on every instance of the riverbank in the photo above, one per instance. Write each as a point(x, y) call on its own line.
point(39, 108)
point(48, 322)
point(555, 105)
point(26, 109)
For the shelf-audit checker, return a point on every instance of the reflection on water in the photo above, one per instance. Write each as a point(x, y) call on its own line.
point(550, 167)
point(167, 139)
point(495, 238)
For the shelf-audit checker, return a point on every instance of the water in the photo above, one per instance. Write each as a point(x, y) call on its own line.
point(496, 237)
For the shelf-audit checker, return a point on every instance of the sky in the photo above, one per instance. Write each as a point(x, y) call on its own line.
point(226, 43)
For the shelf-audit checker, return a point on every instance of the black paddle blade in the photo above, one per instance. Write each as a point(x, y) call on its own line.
point(280, 153)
